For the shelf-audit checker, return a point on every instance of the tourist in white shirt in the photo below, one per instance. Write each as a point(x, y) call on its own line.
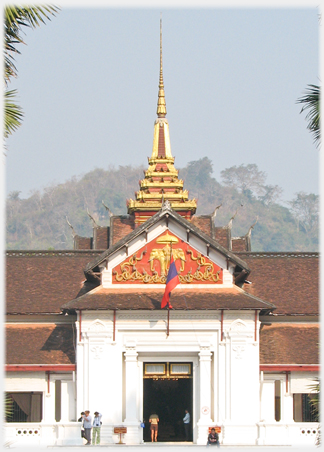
point(96, 428)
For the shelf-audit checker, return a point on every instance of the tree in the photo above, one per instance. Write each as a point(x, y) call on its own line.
point(271, 194)
point(311, 102)
point(199, 172)
point(15, 18)
point(305, 209)
point(315, 404)
point(246, 178)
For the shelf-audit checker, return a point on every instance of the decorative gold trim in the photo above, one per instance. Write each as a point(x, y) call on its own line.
point(167, 238)
point(168, 375)
point(155, 206)
point(167, 195)
point(146, 183)
point(180, 364)
point(146, 372)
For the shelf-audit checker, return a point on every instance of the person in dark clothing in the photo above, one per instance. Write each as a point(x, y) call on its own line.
point(81, 418)
point(82, 428)
point(213, 438)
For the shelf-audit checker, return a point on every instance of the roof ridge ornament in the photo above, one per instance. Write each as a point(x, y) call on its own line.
point(73, 231)
point(230, 223)
point(108, 210)
point(248, 234)
point(166, 205)
point(92, 219)
point(213, 215)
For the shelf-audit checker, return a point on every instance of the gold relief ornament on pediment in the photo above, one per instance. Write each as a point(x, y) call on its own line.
point(151, 264)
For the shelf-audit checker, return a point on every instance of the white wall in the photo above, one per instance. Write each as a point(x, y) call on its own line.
point(141, 336)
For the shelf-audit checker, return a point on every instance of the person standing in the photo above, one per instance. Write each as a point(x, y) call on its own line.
point(186, 424)
point(154, 421)
point(87, 419)
point(96, 428)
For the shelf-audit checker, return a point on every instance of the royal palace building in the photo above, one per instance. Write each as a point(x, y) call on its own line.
point(85, 330)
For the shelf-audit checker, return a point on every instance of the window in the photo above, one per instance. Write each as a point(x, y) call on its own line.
point(24, 407)
point(304, 411)
point(180, 369)
point(167, 370)
point(156, 369)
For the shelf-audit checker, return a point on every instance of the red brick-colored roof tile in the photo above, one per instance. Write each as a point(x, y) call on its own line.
point(284, 343)
point(222, 236)
point(40, 282)
point(39, 344)
point(238, 244)
point(288, 280)
point(203, 222)
point(101, 235)
point(150, 299)
point(120, 226)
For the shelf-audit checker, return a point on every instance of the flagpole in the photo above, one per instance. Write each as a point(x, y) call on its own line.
point(168, 307)
point(168, 324)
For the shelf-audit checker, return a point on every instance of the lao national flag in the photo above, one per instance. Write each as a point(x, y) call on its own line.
point(171, 282)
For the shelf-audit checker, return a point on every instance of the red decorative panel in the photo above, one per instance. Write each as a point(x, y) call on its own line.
point(150, 264)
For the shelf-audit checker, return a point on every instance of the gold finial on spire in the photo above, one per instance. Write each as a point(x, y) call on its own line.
point(161, 107)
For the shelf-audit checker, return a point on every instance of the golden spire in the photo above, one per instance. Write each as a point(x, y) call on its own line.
point(161, 182)
point(161, 107)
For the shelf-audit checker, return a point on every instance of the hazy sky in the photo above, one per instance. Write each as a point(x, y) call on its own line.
point(88, 84)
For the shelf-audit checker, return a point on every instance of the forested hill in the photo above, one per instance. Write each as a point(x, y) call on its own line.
point(40, 221)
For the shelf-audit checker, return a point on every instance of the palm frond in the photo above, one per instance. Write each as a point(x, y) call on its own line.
point(12, 113)
point(311, 102)
point(8, 406)
point(15, 18)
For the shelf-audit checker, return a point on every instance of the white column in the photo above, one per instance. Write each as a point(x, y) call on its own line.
point(133, 435)
point(228, 379)
point(131, 383)
point(79, 371)
point(222, 382)
point(86, 387)
point(287, 405)
point(49, 401)
point(267, 401)
point(67, 399)
point(204, 393)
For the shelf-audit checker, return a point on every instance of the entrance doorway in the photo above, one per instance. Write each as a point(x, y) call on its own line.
point(168, 396)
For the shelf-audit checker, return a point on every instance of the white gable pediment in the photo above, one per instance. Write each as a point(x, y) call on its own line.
point(145, 259)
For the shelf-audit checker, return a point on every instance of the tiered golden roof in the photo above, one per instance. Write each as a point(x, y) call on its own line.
point(161, 178)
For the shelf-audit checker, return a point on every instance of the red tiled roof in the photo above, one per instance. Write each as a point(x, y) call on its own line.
point(238, 244)
point(120, 226)
point(222, 236)
point(40, 282)
point(203, 222)
point(148, 299)
point(284, 343)
point(288, 280)
point(39, 344)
